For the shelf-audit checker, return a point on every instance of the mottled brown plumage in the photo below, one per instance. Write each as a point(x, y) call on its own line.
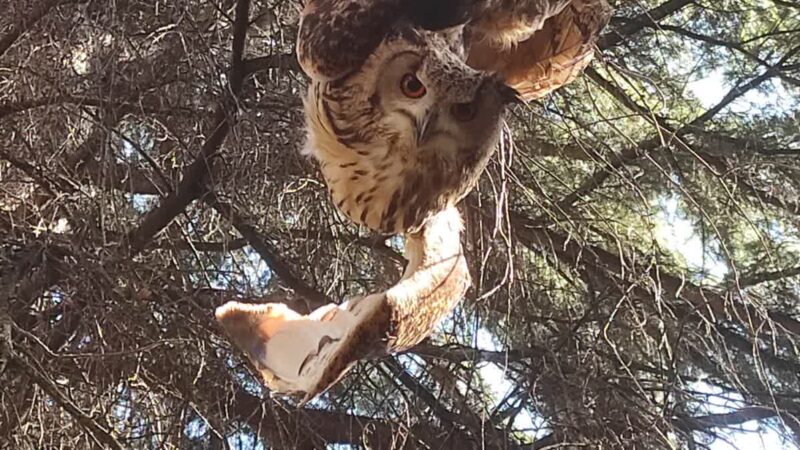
point(366, 134)
point(402, 121)
point(541, 55)
point(391, 161)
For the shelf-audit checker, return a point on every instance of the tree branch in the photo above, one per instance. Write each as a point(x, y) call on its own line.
point(193, 185)
point(459, 353)
point(737, 417)
point(23, 24)
point(235, 244)
point(635, 25)
point(120, 103)
point(736, 46)
point(666, 132)
point(763, 277)
point(443, 413)
point(609, 266)
point(312, 297)
point(280, 61)
point(765, 196)
point(331, 427)
point(489, 435)
point(99, 433)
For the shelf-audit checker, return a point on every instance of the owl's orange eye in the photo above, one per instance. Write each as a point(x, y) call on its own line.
point(411, 86)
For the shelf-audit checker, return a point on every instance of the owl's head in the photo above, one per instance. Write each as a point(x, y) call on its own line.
point(407, 133)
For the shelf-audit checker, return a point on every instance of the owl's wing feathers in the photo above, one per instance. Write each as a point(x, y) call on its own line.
point(540, 50)
point(336, 36)
point(306, 354)
point(536, 45)
point(297, 354)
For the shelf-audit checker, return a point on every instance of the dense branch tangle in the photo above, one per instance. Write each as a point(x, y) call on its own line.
point(149, 172)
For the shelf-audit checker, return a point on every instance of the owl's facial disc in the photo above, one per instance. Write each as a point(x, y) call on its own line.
point(457, 124)
point(489, 100)
point(438, 104)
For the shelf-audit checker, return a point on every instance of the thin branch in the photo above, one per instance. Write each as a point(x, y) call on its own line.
point(609, 266)
point(669, 134)
point(461, 353)
point(286, 61)
point(787, 4)
point(193, 183)
point(489, 435)
point(543, 443)
point(311, 296)
point(23, 24)
point(740, 90)
point(119, 103)
point(99, 433)
point(763, 277)
point(234, 244)
point(765, 196)
point(736, 46)
point(410, 383)
point(332, 427)
point(619, 34)
point(737, 417)
point(720, 144)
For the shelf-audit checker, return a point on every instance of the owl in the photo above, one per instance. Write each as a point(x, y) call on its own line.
point(403, 111)
point(407, 96)
point(405, 132)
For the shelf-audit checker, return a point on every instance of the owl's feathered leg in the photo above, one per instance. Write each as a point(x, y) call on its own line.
point(308, 354)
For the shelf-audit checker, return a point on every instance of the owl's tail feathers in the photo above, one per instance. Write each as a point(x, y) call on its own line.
point(304, 354)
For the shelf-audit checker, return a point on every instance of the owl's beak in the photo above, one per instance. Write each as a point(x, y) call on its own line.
point(425, 126)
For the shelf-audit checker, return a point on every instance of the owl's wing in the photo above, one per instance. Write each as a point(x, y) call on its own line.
point(337, 36)
point(540, 49)
point(537, 46)
point(306, 354)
